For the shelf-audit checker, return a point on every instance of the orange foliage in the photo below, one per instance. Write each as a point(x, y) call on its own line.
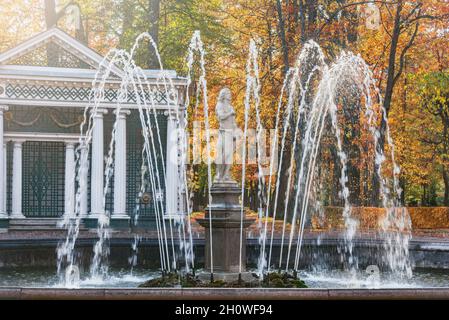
point(370, 217)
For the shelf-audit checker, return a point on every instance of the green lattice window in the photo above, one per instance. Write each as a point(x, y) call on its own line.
point(43, 179)
point(134, 162)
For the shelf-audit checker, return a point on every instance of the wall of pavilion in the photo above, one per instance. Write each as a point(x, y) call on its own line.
point(45, 86)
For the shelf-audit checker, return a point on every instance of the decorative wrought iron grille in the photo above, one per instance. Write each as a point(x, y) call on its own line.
point(51, 55)
point(43, 179)
point(74, 94)
point(134, 161)
point(134, 146)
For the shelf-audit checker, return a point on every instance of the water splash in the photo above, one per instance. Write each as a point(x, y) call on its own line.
point(196, 46)
point(133, 81)
point(72, 220)
point(312, 91)
point(252, 91)
point(316, 89)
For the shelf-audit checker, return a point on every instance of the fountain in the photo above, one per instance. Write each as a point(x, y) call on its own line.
point(313, 89)
point(309, 106)
point(224, 222)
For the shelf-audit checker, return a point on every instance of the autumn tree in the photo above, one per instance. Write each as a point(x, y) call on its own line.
point(434, 99)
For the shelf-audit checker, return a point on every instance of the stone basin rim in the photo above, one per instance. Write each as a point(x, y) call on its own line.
point(224, 293)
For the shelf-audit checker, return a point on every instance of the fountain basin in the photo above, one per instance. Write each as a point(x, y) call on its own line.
point(425, 252)
point(31, 263)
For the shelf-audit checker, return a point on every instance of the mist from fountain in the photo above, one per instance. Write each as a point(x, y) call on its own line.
point(196, 46)
point(312, 90)
point(253, 92)
point(71, 221)
point(133, 82)
point(324, 108)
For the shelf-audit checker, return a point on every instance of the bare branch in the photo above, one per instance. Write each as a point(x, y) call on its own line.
point(336, 12)
point(404, 51)
point(428, 16)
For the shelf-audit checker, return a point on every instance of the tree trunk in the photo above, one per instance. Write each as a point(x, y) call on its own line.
point(445, 150)
point(80, 34)
point(283, 182)
point(446, 186)
point(336, 174)
point(50, 13)
point(392, 58)
point(403, 184)
point(153, 16)
point(302, 18)
point(388, 95)
point(350, 137)
point(50, 21)
point(281, 25)
point(312, 10)
point(424, 196)
point(127, 22)
point(283, 171)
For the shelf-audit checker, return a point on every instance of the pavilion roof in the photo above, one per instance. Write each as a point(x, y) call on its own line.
point(54, 67)
point(31, 57)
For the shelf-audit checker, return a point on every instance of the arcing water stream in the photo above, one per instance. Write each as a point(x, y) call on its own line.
point(308, 107)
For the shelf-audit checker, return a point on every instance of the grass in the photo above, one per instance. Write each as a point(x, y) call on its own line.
point(271, 280)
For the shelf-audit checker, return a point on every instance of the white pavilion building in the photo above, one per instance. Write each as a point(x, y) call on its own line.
point(45, 84)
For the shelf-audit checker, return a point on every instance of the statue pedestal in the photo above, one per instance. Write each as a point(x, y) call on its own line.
point(225, 213)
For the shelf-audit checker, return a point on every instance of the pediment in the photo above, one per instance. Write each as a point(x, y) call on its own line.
point(54, 48)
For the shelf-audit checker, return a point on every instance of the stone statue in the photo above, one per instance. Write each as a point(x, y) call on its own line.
point(225, 145)
point(224, 213)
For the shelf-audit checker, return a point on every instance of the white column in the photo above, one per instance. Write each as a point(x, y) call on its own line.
point(5, 177)
point(182, 205)
point(2, 168)
point(171, 167)
point(97, 174)
point(84, 163)
point(120, 167)
point(69, 192)
point(17, 181)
